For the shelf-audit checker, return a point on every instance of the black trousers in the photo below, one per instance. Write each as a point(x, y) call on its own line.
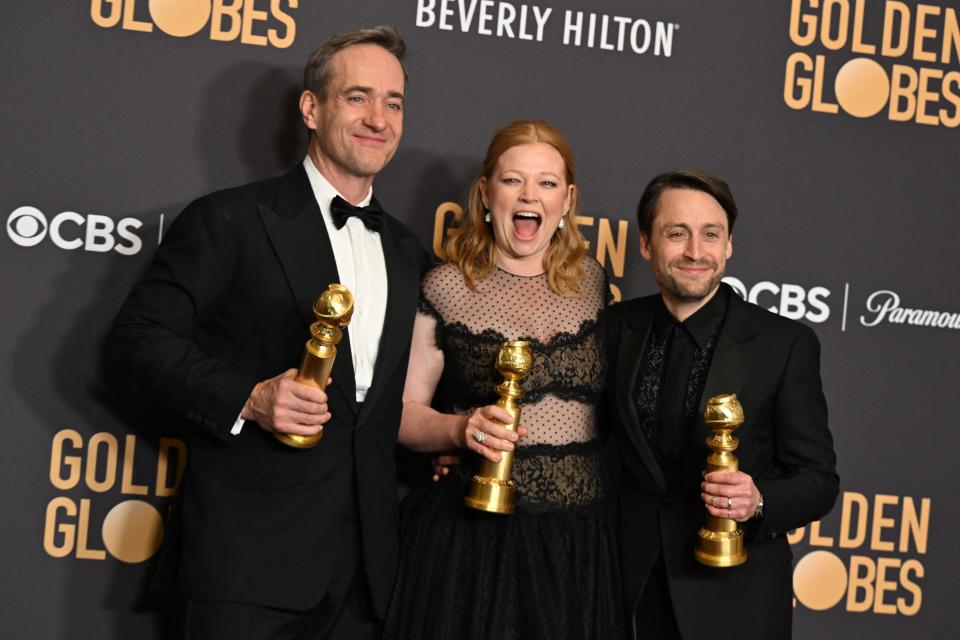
point(654, 618)
point(344, 613)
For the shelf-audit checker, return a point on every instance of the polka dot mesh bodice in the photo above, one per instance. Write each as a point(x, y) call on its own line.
point(561, 391)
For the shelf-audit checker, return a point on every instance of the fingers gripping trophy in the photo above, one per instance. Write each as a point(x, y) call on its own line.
point(333, 310)
point(492, 489)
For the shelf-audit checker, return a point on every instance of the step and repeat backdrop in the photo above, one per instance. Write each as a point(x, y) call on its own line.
point(834, 121)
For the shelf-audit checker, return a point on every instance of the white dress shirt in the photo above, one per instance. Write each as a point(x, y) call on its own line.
point(360, 263)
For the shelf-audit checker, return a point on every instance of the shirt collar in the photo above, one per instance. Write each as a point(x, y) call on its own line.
point(325, 192)
point(702, 325)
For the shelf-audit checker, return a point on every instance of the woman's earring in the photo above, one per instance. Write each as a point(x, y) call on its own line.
point(486, 218)
point(560, 226)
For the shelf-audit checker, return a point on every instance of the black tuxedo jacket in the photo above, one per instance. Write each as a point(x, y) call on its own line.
point(225, 304)
point(773, 365)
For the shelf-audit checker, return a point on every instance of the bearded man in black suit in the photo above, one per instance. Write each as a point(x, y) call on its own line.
point(669, 353)
point(272, 541)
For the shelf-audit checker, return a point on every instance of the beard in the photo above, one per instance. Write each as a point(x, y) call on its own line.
point(689, 291)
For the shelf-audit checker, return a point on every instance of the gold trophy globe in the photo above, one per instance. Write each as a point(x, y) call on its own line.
point(721, 539)
point(333, 310)
point(492, 489)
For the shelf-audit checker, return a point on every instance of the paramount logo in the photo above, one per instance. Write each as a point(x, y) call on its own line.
point(885, 307)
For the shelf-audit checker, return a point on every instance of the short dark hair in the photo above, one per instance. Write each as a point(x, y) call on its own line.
point(316, 74)
point(694, 179)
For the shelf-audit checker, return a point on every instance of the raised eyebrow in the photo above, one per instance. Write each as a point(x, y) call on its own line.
point(370, 91)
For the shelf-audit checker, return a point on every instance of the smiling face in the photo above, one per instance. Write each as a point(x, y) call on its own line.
point(358, 126)
point(527, 195)
point(688, 247)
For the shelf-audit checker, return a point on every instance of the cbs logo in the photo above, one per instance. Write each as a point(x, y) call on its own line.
point(788, 300)
point(27, 227)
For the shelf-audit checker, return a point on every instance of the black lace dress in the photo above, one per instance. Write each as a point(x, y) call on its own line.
point(550, 569)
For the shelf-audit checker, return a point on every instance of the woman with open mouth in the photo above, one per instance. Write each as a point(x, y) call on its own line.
point(516, 270)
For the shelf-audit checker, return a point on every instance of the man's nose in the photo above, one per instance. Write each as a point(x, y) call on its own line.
point(694, 248)
point(375, 117)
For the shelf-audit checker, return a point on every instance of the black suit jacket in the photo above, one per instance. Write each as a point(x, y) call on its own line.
point(227, 303)
point(773, 365)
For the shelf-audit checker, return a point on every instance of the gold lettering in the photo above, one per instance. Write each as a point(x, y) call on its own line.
point(890, 13)
point(848, 539)
point(859, 46)
point(287, 20)
point(884, 586)
point(129, 22)
point(617, 250)
point(52, 527)
point(914, 567)
point(817, 540)
point(900, 91)
point(93, 457)
point(795, 536)
point(58, 460)
point(951, 37)
point(163, 487)
point(792, 81)
point(880, 522)
point(583, 221)
point(229, 11)
point(947, 120)
point(818, 103)
point(615, 292)
point(859, 582)
point(109, 20)
point(251, 15)
point(925, 96)
point(441, 231)
point(921, 33)
point(83, 529)
point(809, 21)
point(913, 526)
point(826, 22)
point(126, 482)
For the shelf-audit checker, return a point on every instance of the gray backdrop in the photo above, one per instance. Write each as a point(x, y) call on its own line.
point(111, 125)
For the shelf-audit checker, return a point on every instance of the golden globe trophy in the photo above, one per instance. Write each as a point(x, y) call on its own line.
point(333, 310)
point(492, 489)
point(721, 539)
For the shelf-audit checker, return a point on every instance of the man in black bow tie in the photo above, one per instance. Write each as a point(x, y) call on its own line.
point(269, 541)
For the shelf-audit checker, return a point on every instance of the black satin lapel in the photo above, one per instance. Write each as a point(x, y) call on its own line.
point(303, 247)
point(728, 369)
point(632, 344)
point(403, 290)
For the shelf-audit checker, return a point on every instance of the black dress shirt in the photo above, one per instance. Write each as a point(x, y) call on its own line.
point(676, 362)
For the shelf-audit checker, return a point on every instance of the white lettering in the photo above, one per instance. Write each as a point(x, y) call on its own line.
point(57, 237)
point(880, 303)
point(640, 48)
point(425, 15)
point(576, 28)
point(886, 304)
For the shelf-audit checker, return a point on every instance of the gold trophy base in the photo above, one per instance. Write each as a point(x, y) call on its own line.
point(490, 494)
point(721, 548)
point(297, 441)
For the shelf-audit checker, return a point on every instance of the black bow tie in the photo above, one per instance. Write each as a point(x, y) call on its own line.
point(371, 215)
